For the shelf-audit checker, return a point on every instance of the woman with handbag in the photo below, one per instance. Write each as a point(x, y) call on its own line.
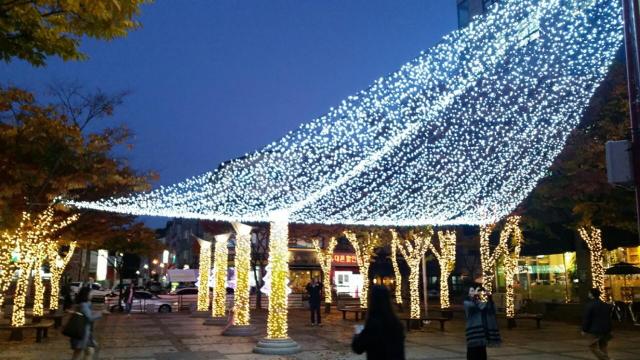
point(83, 344)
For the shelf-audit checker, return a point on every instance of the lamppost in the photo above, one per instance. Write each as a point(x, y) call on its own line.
point(631, 16)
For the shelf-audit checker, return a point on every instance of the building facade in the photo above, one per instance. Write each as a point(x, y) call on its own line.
point(467, 9)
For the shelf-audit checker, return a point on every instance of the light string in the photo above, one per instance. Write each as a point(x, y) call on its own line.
point(471, 124)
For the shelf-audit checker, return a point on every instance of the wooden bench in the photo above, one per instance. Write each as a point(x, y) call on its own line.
point(525, 316)
point(57, 319)
point(355, 310)
point(441, 319)
point(42, 330)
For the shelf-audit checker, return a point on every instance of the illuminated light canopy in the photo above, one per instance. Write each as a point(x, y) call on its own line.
point(465, 129)
point(593, 237)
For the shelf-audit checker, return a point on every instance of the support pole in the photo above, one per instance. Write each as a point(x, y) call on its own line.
point(631, 16)
point(218, 303)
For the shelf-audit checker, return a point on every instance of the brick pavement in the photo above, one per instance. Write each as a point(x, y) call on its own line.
point(178, 336)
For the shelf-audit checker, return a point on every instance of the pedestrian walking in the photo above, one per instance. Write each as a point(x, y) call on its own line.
point(382, 336)
point(314, 289)
point(482, 325)
point(128, 299)
point(84, 347)
point(596, 324)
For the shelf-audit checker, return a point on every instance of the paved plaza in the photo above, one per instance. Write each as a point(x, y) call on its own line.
point(178, 336)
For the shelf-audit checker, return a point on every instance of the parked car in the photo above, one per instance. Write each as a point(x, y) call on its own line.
point(185, 297)
point(97, 291)
point(144, 301)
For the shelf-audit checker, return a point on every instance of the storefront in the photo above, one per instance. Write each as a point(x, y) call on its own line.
point(303, 266)
point(345, 274)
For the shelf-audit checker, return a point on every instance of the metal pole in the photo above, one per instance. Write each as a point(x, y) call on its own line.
point(631, 18)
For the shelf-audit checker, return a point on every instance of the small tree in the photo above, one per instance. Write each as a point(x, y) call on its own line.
point(511, 253)
point(364, 245)
point(396, 269)
point(413, 247)
point(446, 257)
point(325, 257)
point(593, 237)
point(57, 264)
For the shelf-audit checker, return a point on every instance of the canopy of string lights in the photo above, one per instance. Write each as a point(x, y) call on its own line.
point(459, 135)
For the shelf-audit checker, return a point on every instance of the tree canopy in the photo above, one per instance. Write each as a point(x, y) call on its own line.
point(47, 151)
point(576, 191)
point(33, 30)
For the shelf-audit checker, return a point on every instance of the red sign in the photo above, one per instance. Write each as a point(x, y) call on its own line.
point(344, 259)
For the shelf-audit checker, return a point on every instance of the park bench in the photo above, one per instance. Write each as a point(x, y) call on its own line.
point(441, 319)
point(353, 309)
point(525, 316)
point(57, 319)
point(41, 328)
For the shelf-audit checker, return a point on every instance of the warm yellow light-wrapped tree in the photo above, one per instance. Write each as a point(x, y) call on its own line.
point(396, 269)
point(220, 262)
point(511, 253)
point(593, 237)
point(364, 246)
point(31, 233)
point(243, 269)
point(488, 259)
point(413, 247)
point(204, 269)
point(277, 341)
point(8, 244)
point(325, 257)
point(57, 264)
point(446, 257)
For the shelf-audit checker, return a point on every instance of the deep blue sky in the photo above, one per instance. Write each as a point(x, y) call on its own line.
point(212, 80)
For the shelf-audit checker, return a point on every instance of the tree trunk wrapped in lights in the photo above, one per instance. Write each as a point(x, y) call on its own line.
point(446, 257)
point(511, 231)
point(38, 299)
point(8, 245)
point(396, 270)
point(363, 246)
point(593, 237)
point(243, 268)
point(221, 254)
point(278, 259)
point(57, 264)
point(204, 269)
point(29, 237)
point(488, 259)
point(413, 248)
point(325, 257)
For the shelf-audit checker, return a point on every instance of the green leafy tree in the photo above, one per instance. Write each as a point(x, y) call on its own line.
point(33, 30)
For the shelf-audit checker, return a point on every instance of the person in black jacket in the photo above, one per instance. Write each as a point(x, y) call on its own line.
point(383, 335)
point(314, 288)
point(597, 323)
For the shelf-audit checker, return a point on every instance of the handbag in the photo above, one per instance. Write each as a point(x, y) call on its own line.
point(75, 327)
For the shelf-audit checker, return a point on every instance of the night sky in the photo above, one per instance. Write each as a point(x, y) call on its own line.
point(213, 80)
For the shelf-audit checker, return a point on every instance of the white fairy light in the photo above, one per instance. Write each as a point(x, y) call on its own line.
point(468, 126)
